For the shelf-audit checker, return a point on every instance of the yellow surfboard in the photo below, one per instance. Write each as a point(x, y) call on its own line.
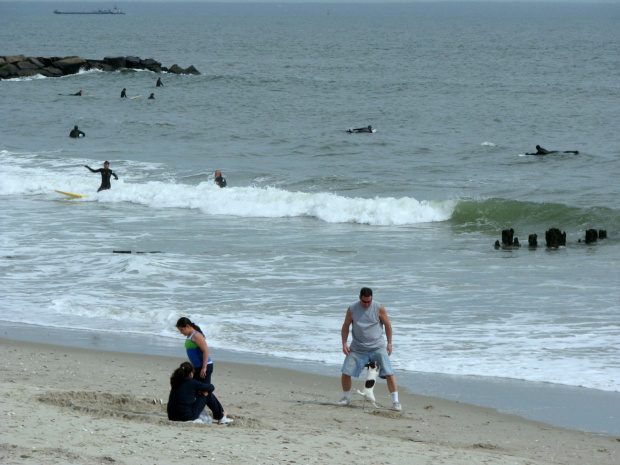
point(71, 195)
point(137, 96)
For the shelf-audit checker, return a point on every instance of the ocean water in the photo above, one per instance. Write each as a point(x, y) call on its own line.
point(457, 93)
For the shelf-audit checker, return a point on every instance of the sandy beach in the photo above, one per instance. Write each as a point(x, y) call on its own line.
point(63, 405)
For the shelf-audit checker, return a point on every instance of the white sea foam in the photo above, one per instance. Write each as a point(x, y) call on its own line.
point(262, 302)
point(270, 270)
point(249, 202)
point(26, 78)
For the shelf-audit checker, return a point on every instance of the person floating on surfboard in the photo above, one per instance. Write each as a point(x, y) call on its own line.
point(542, 151)
point(76, 133)
point(106, 172)
point(78, 94)
point(366, 129)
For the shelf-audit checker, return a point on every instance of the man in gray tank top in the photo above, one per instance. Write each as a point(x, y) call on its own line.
point(367, 319)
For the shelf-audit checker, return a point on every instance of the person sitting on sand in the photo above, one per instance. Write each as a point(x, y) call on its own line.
point(189, 397)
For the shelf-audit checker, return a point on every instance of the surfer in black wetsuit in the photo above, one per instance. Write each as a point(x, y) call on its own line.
point(75, 133)
point(219, 179)
point(542, 151)
point(106, 172)
point(79, 94)
point(367, 129)
point(159, 83)
point(124, 93)
point(152, 97)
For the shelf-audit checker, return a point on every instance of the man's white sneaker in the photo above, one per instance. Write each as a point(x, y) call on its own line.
point(396, 406)
point(344, 401)
point(225, 420)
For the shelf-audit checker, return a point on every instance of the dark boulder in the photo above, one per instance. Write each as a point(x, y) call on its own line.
point(176, 69)
point(50, 71)
point(36, 62)
point(191, 70)
point(28, 72)
point(70, 65)
point(115, 62)
point(100, 65)
point(532, 240)
point(152, 65)
point(14, 59)
point(26, 65)
point(10, 70)
point(602, 234)
point(103, 67)
point(43, 60)
point(133, 63)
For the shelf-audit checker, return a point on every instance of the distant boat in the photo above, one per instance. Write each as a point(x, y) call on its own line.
point(111, 11)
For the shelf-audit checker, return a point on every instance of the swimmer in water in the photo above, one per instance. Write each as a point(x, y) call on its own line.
point(106, 172)
point(219, 179)
point(124, 93)
point(542, 151)
point(152, 97)
point(75, 133)
point(367, 129)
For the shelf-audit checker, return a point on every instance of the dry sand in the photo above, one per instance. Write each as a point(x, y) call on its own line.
point(62, 405)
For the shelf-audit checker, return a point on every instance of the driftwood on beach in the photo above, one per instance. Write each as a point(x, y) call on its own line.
point(19, 66)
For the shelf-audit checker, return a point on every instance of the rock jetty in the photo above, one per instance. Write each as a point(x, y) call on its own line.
point(19, 66)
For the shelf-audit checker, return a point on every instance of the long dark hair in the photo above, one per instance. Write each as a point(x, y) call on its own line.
point(178, 376)
point(183, 322)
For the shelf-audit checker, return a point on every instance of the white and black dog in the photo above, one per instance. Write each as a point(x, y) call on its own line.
point(371, 380)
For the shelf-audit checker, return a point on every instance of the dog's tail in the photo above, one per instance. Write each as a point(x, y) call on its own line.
point(367, 395)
